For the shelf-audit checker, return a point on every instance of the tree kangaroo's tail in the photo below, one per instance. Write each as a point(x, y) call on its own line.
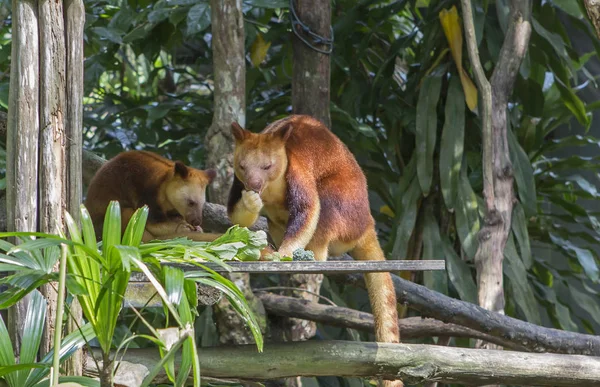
point(381, 289)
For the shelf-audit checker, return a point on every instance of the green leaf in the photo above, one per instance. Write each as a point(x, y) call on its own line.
point(521, 290)
point(569, 6)
point(575, 105)
point(407, 216)
point(452, 142)
point(459, 273)
point(432, 246)
point(519, 228)
point(585, 257)
point(32, 335)
point(81, 380)
point(523, 175)
point(467, 215)
point(198, 18)
point(427, 129)
point(111, 34)
point(7, 357)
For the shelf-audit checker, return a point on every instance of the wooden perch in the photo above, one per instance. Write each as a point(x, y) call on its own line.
point(311, 267)
point(411, 327)
point(414, 363)
point(447, 309)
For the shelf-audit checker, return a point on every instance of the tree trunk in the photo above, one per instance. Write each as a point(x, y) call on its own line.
point(52, 139)
point(22, 137)
point(74, 20)
point(310, 95)
point(230, 106)
point(498, 172)
point(311, 68)
point(229, 93)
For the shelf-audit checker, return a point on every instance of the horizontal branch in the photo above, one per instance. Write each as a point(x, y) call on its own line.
point(414, 363)
point(311, 267)
point(411, 327)
point(534, 337)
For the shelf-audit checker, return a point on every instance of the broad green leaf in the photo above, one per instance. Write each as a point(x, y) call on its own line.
point(575, 105)
point(427, 129)
point(523, 175)
point(111, 34)
point(521, 290)
point(407, 216)
point(432, 249)
point(459, 273)
point(198, 18)
point(519, 228)
point(32, 335)
point(452, 143)
point(569, 6)
point(588, 303)
point(586, 258)
point(467, 215)
point(7, 356)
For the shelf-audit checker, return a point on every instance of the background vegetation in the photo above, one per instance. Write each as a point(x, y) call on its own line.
point(398, 102)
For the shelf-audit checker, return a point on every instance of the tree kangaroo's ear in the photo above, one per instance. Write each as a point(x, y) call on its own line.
point(239, 133)
point(181, 169)
point(285, 132)
point(211, 174)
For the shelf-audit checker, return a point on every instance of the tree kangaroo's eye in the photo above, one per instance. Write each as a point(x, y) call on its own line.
point(192, 203)
point(267, 167)
point(242, 167)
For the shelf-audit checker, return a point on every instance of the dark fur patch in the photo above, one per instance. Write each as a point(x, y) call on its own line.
point(300, 204)
point(235, 194)
point(181, 169)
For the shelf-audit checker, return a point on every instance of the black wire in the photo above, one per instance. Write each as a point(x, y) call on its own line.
point(316, 38)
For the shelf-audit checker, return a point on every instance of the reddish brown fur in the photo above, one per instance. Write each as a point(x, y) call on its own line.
point(321, 182)
point(138, 178)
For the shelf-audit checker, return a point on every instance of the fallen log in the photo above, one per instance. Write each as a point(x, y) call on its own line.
point(414, 363)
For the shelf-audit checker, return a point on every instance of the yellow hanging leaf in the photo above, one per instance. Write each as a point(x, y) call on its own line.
point(258, 50)
point(386, 210)
point(453, 32)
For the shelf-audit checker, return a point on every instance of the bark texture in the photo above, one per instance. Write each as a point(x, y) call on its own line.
point(229, 93)
point(311, 69)
point(22, 137)
point(414, 363)
point(498, 171)
point(74, 22)
point(411, 327)
point(593, 10)
point(52, 139)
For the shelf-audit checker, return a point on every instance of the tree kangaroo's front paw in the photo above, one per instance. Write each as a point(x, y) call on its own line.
point(184, 226)
point(252, 201)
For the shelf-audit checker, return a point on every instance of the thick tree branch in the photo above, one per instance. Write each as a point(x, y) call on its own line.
point(498, 173)
point(447, 309)
point(486, 100)
point(411, 327)
point(414, 363)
